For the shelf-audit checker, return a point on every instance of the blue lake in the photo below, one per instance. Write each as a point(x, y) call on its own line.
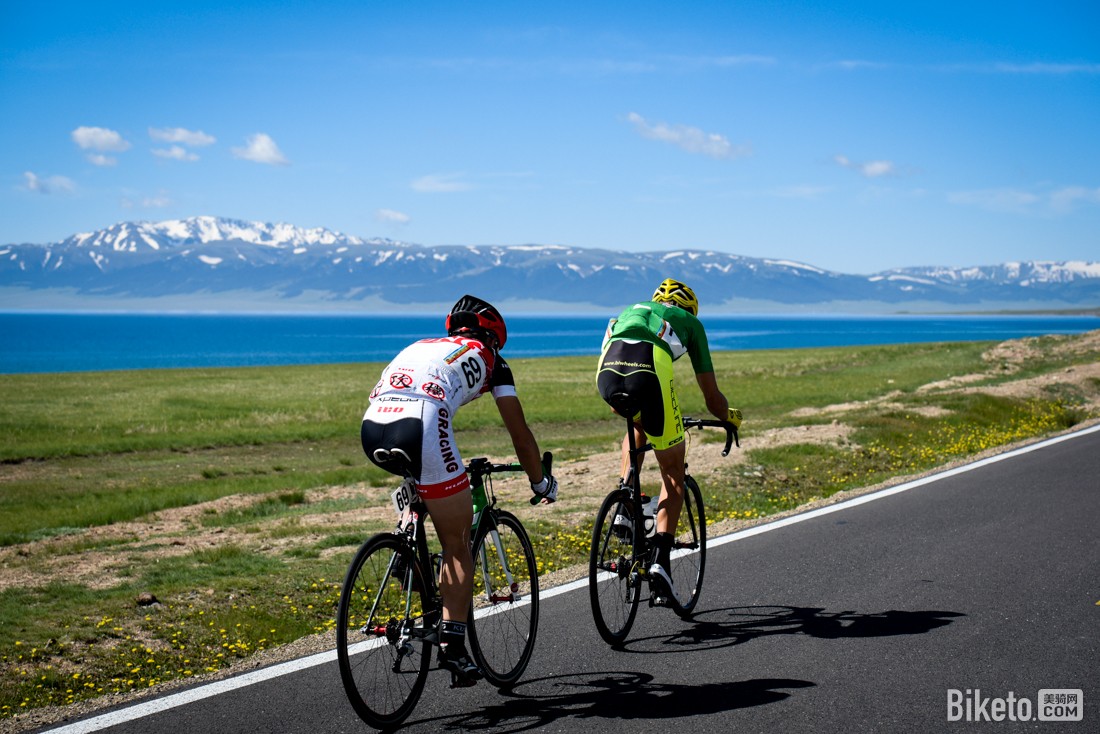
point(73, 342)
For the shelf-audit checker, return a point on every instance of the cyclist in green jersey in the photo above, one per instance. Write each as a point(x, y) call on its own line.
point(639, 348)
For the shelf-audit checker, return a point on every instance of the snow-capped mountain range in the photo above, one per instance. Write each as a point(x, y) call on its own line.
point(201, 256)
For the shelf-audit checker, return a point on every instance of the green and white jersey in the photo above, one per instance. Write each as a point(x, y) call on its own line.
point(669, 327)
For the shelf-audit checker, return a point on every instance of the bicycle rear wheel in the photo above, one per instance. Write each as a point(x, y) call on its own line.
point(505, 613)
point(689, 550)
point(613, 581)
point(382, 669)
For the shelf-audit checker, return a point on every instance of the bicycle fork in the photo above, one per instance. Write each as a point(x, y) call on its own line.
point(491, 592)
point(401, 633)
point(633, 568)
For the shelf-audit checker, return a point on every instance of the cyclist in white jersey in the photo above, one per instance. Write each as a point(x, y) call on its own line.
point(409, 427)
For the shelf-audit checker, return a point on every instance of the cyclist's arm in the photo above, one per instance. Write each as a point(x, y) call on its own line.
point(716, 401)
point(527, 449)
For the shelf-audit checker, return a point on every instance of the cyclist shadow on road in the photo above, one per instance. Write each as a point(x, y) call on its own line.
point(618, 695)
point(737, 625)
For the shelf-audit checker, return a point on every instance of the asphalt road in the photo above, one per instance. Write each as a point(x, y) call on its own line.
point(862, 619)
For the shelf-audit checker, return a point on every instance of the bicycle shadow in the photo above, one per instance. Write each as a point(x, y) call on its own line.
point(635, 696)
point(622, 696)
point(737, 625)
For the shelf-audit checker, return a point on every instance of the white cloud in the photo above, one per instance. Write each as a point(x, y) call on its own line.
point(100, 138)
point(156, 202)
point(191, 138)
point(1047, 68)
point(260, 148)
point(691, 139)
point(48, 185)
point(159, 201)
point(719, 62)
point(998, 200)
point(870, 169)
point(742, 60)
point(1066, 199)
point(1015, 201)
point(1039, 68)
point(853, 64)
point(389, 216)
point(101, 160)
point(435, 183)
point(176, 153)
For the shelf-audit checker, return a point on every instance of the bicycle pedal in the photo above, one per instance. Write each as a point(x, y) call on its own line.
point(462, 681)
point(459, 678)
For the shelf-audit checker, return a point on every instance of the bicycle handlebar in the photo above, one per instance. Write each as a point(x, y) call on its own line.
point(482, 467)
point(731, 430)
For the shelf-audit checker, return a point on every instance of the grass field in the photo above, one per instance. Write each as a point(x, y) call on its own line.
point(236, 497)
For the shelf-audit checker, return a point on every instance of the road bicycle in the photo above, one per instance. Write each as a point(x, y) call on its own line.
point(622, 549)
point(390, 607)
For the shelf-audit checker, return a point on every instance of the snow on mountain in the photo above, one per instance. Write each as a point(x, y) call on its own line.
point(1034, 271)
point(211, 254)
point(795, 266)
point(133, 236)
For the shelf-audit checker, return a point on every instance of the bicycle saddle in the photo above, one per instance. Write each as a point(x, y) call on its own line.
point(624, 404)
point(393, 460)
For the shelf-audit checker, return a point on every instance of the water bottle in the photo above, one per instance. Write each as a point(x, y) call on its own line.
point(649, 514)
point(480, 501)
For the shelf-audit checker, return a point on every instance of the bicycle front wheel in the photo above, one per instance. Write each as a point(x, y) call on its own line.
point(505, 613)
point(613, 579)
point(382, 667)
point(689, 550)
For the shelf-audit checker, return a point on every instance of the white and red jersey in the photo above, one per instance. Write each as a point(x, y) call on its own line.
point(452, 370)
point(421, 390)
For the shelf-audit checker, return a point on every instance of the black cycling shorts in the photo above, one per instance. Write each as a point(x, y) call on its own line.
point(406, 435)
point(644, 373)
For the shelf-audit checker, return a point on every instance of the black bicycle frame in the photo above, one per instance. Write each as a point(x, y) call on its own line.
point(633, 482)
point(478, 470)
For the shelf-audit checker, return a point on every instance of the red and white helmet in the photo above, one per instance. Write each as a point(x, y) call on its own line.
point(471, 314)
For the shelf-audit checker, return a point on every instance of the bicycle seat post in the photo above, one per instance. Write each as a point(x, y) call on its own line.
point(635, 452)
point(625, 405)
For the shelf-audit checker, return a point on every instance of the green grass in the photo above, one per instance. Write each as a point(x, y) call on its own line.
point(96, 449)
point(884, 445)
point(41, 498)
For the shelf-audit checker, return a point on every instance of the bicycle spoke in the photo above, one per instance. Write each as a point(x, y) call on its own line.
point(383, 661)
point(689, 553)
point(505, 600)
point(612, 577)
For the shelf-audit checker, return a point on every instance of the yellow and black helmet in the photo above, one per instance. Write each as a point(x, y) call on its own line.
point(678, 294)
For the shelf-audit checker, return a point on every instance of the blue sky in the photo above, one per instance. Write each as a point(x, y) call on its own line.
point(856, 136)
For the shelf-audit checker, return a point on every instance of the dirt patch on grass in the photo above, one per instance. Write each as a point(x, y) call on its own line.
point(1081, 382)
point(1013, 354)
point(99, 557)
point(1078, 382)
